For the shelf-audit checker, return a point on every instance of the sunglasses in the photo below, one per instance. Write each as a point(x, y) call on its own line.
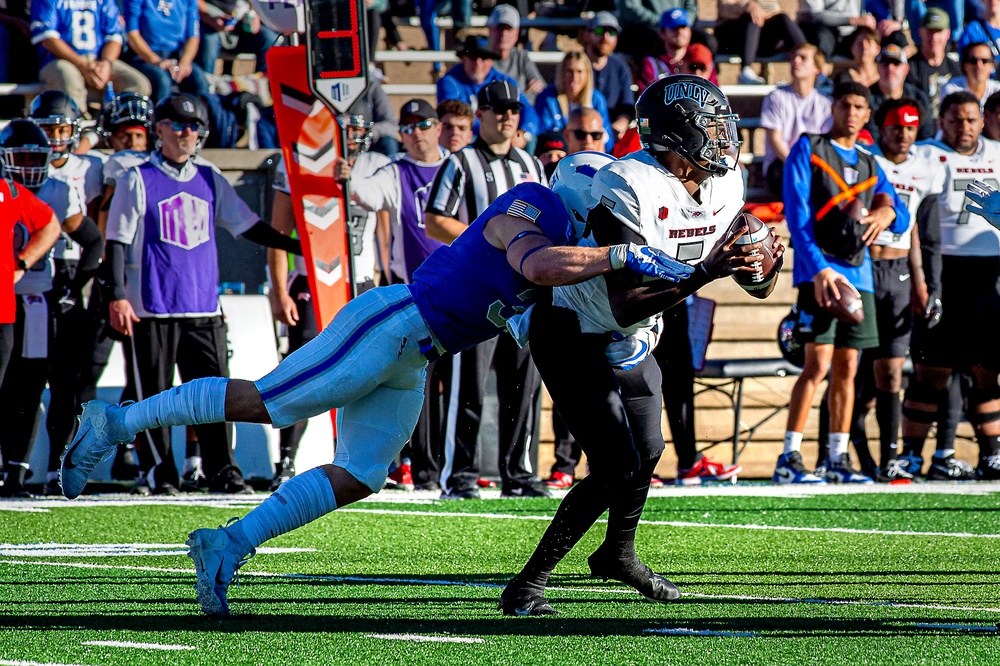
point(979, 61)
point(695, 67)
point(501, 109)
point(582, 135)
point(179, 126)
point(423, 125)
point(601, 32)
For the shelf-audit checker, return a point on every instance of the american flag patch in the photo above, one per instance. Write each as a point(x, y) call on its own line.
point(523, 210)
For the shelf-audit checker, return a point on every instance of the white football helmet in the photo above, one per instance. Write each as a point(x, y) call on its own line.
point(284, 16)
point(572, 181)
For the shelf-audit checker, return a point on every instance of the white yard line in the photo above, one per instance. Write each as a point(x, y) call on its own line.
point(141, 646)
point(114, 550)
point(458, 583)
point(17, 507)
point(678, 631)
point(417, 638)
point(680, 523)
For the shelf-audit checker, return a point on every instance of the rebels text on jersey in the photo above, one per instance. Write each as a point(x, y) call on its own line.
point(964, 234)
point(652, 202)
point(86, 25)
point(920, 175)
point(467, 291)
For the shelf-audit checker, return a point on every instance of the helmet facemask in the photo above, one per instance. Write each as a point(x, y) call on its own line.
point(359, 133)
point(63, 146)
point(127, 110)
point(721, 138)
point(27, 165)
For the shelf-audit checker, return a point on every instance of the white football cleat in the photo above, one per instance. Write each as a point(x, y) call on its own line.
point(217, 557)
point(100, 432)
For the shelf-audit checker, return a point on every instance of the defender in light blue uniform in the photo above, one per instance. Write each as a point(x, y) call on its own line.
point(370, 363)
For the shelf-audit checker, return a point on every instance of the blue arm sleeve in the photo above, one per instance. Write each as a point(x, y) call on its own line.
point(193, 26)
point(110, 22)
point(902, 221)
point(133, 10)
point(43, 19)
point(798, 212)
point(447, 88)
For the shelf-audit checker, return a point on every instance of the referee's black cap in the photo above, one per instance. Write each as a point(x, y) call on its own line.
point(499, 94)
point(418, 109)
point(182, 107)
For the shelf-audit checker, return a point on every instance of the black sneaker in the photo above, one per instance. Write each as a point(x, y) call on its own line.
point(521, 601)
point(194, 481)
point(989, 468)
point(649, 584)
point(52, 488)
point(428, 485)
point(950, 468)
point(526, 490)
point(283, 471)
point(229, 481)
point(462, 494)
point(165, 489)
point(13, 486)
point(893, 472)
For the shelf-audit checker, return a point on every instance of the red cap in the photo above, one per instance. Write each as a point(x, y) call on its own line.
point(905, 116)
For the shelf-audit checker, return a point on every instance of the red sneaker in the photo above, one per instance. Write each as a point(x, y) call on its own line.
point(485, 483)
point(657, 482)
point(560, 481)
point(706, 470)
point(401, 477)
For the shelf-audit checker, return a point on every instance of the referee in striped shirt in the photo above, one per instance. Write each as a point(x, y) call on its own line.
point(468, 182)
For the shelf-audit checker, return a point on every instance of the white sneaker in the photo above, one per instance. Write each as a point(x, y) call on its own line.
point(839, 470)
point(791, 470)
point(749, 77)
point(217, 557)
point(101, 431)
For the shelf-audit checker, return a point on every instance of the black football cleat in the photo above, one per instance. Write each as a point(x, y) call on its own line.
point(520, 601)
point(648, 583)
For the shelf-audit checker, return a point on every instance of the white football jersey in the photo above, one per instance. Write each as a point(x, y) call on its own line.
point(651, 201)
point(921, 174)
point(119, 163)
point(82, 172)
point(964, 234)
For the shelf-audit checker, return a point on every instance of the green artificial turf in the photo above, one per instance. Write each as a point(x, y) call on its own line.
point(884, 578)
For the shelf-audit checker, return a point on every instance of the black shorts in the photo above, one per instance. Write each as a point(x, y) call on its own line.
point(817, 325)
point(307, 327)
point(967, 333)
point(892, 307)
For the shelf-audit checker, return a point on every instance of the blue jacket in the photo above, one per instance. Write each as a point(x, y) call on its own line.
point(456, 85)
point(551, 116)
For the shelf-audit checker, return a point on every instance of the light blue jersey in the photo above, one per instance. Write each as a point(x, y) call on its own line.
point(467, 291)
point(86, 25)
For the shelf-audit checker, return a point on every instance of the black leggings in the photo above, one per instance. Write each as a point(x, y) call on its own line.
point(778, 34)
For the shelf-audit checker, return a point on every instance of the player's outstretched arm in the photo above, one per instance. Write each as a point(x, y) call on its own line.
point(984, 201)
point(533, 255)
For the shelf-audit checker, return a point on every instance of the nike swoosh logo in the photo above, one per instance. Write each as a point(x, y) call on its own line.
point(786, 474)
point(69, 464)
point(910, 119)
point(718, 211)
point(904, 278)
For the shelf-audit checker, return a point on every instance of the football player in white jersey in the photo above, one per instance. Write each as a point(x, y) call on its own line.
point(898, 269)
point(970, 247)
point(592, 345)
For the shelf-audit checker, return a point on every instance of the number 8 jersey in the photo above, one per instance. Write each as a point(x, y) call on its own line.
point(962, 233)
point(86, 25)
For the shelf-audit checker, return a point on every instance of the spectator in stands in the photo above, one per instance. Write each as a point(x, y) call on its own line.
point(991, 117)
point(180, 322)
point(476, 70)
point(400, 190)
point(640, 21)
point(830, 24)
point(456, 124)
point(793, 110)
point(889, 16)
point(80, 48)
point(375, 105)
point(235, 27)
point(699, 62)
point(755, 28)
point(675, 33)
point(584, 131)
point(985, 31)
point(574, 87)
point(551, 148)
point(978, 67)
point(931, 67)
point(612, 76)
point(163, 40)
point(504, 23)
point(892, 84)
point(866, 44)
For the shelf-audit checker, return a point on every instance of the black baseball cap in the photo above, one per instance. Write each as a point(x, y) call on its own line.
point(550, 140)
point(477, 47)
point(182, 107)
point(499, 93)
point(417, 109)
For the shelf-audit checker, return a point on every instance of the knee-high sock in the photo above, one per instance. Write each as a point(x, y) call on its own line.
point(625, 511)
point(580, 509)
point(888, 412)
point(191, 403)
point(300, 500)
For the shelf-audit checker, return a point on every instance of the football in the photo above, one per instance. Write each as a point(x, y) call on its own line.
point(766, 268)
point(848, 308)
